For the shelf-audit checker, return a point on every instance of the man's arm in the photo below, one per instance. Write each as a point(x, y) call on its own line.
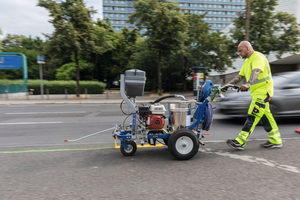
point(236, 79)
point(254, 75)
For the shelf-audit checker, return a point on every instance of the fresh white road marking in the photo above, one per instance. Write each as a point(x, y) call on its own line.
point(253, 159)
point(26, 123)
point(35, 113)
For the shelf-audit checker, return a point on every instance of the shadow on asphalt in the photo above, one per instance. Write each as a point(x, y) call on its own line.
point(156, 156)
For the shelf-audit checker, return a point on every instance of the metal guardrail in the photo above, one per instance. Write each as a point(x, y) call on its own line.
point(12, 88)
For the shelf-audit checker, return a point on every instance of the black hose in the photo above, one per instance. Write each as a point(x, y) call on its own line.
point(162, 98)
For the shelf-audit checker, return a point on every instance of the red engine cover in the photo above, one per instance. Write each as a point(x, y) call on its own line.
point(155, 121)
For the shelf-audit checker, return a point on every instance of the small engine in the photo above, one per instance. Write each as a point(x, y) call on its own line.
point(155, 121)
point(153, 116)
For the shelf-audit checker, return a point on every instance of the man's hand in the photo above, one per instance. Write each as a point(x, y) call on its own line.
point(244, 87)
point(224, 88)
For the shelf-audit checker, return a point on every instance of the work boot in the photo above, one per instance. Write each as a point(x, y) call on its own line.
point(270, 145)
point(235, 144)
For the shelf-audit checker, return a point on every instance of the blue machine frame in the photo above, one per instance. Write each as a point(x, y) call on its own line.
point(199, 116)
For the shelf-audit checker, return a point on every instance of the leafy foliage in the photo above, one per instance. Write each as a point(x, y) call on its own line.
point(74, 31)
point(58, 87)
point(270, 31)
point(165, 26)
point(68, 71)
point(31, 47)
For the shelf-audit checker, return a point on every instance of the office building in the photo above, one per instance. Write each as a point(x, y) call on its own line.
point(220, 13)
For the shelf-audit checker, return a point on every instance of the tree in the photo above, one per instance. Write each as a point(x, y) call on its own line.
point(202, 47)
point(11, 41)
point(165, 26)
point(269, 31)
point(115, 61)
point(0, 40)
point(30, 47)
point(125, 46)
point(68, 71)
point(144, 58)
point(74, 31)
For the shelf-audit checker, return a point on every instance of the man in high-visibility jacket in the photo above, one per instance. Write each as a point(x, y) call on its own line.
point(256, 70)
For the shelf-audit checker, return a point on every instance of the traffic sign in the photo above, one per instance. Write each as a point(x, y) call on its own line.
point(10, 62)
point(40, 59)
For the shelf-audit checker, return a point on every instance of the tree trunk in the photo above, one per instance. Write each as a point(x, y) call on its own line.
point(95, 65)
point(160, 92)
point(77, 75)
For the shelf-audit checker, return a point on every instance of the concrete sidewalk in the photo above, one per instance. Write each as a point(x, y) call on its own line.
point(112, 97)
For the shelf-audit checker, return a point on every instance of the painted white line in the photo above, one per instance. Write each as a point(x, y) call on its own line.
point(26, 123)
point(18, 106)
point(36, 113)
point(253, 159)
point(263, 139)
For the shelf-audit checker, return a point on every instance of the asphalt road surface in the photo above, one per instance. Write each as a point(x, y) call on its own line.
point(37, 164)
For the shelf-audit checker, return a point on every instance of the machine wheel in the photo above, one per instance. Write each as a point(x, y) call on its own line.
point(183, 144)
point(131, 150)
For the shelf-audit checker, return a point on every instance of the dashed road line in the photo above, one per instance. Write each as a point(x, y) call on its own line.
point(28, 123)
point(36, 113)
point(252, 159)
point(55, 150)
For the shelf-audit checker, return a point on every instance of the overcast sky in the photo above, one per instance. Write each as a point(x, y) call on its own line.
point(23, 17)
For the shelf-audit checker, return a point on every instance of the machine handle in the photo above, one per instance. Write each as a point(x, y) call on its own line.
point(168, 96)
point(234, 87)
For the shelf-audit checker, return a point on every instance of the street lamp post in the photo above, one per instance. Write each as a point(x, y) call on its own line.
point(247, 25)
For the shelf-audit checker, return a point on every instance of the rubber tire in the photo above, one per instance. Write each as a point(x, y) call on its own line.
point(131, 144)
point(176, 136)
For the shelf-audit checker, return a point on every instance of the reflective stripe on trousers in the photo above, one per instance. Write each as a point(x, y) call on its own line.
point(259, 110)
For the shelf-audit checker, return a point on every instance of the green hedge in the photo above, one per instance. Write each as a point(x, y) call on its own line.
point(58, 87)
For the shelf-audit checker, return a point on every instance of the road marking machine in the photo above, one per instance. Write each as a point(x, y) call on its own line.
point(182, 132)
